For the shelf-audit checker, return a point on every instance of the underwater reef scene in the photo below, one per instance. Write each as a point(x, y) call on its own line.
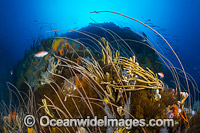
point(99, 70)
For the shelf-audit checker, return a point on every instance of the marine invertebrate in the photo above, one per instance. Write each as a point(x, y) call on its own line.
point(13, 117)
point(184, 96)
point(146, 78)
point(120, 111)
point(185, 75)
point(91, 68)
point(80, 82)
point(31, 130)
point(46, 108)
point(100, 77)
point(121, 130)
point(183, 116)
point(175, 110)
point(78, 60)
point(70, 86)
point(52, 68)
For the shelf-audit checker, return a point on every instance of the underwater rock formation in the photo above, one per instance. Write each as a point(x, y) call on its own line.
point(94, 72)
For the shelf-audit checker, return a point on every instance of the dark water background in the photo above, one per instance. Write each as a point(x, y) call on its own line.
point(21, 21)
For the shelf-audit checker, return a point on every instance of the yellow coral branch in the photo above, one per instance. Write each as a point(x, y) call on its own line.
point(46, 108)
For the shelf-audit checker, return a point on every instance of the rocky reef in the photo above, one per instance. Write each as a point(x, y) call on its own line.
point(100, 70)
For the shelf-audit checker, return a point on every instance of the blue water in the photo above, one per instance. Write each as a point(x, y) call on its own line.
point(21, 21)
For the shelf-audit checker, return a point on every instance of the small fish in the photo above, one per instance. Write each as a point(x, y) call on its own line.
point(161, 74)
point(41, 54)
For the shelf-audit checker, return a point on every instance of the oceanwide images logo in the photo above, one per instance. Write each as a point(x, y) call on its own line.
point(29, 120)
point(94, 122)
point(45, 121)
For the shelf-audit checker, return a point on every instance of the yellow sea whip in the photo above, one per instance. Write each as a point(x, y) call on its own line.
point(162, 38)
